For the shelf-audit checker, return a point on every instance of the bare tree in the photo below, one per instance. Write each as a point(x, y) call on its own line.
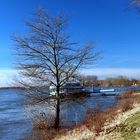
point(137, 2)
point(134, 3)
point(48, 57)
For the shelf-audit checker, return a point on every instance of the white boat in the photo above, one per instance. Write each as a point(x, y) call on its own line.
point(107, 90)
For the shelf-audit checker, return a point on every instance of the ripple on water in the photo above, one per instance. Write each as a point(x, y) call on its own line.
point(14, 124)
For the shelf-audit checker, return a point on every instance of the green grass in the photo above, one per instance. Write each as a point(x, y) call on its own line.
point(128, 129)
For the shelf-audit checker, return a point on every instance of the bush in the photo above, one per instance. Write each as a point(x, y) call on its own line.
point(39, 117)
point(43, 122)
point(96, 120)
point(136, 99)
point(127, 105)
point(125, 95)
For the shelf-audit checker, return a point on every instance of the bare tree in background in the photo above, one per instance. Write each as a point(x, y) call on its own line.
point(46, 56)
point(135, 3)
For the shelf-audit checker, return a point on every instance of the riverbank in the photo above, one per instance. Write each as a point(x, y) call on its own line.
point(115, 123)
point(125, 127)
point(73, 113)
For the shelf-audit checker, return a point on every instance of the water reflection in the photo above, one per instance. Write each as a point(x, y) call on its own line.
point(74, 111)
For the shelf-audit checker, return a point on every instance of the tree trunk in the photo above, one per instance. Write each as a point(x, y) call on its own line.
point(57, 117)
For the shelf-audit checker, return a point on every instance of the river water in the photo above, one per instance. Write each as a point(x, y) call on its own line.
point(15, 123)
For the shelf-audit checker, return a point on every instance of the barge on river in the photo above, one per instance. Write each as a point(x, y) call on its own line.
point(70, 89)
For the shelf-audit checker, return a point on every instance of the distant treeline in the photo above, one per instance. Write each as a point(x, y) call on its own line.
point(92, 80)
point(118, 81)
point(25, 88)
point(12, 88)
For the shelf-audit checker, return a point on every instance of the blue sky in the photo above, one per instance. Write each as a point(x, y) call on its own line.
point(113, 28)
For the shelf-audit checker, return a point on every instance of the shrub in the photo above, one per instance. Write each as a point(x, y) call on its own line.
point(39, 117)
point(125, 95)
point(136, 99)
point(43, 122)
point(127, 105)
point(96, 119)
point(95, 122)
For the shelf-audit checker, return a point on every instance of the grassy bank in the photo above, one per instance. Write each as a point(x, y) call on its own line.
point(118, 122)
point(130, 129)
point(124, 127)
point(114, 123)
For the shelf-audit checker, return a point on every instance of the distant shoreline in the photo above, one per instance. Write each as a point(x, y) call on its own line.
point(11, 88)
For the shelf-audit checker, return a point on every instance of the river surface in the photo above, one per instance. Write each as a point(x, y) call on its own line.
point(15, 122)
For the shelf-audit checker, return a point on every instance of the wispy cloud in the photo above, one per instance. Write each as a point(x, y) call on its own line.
point(127, 60)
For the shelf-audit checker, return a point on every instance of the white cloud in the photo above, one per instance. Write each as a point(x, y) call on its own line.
point(6, 77)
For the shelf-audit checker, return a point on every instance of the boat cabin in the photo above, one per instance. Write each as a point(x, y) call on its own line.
point(69, 87)
point(72, 87)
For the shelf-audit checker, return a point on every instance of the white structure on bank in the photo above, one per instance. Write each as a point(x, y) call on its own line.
point(52, 90)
